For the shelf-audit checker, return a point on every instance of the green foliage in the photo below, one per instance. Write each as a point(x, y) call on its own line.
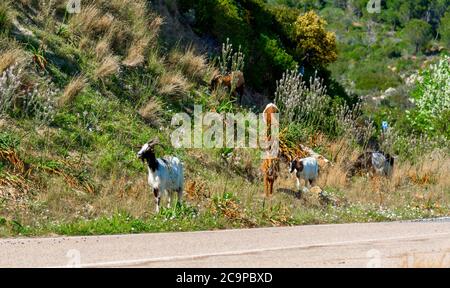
point(315, 45)
point(8, 141)
point(444, 29)
point(432, 100)
point(5, 16)
point(280, 59)
point(418, 32)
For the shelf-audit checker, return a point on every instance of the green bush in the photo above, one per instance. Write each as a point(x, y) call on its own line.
point(8, 141)
point(5, 17)
point(281, 60)
point(432, 99)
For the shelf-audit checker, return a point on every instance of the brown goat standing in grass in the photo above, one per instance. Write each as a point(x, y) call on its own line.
point(234, 81)
point(271, 165)
point(271, 169)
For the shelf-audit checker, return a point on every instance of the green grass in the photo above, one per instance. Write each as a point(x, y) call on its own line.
point(186, 218)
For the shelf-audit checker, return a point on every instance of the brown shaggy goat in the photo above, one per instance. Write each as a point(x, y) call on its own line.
point(234, 81)
point(271, 165)
point(270, 168)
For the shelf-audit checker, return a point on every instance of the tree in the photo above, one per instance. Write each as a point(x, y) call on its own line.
point(444, 28)
point(418, 32)
point(315, 45)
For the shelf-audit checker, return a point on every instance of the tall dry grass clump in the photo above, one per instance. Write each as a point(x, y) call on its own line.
point(173, 85)
point(102, 49)
point(136, 53)
point(72, 90)
point(107, 67)
point(145, 37)
point(151, 112)
point(9, 58)
point(193, 65)
point(90, 21)
point(124, 29)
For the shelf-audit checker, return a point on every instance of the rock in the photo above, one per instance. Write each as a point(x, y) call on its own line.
point(390, 91)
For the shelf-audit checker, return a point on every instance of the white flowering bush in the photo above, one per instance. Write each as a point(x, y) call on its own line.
point(21, 99)
point(9, 84)
point(231, 60)
point(299, 102)
point(431, 98)
point(308, 106)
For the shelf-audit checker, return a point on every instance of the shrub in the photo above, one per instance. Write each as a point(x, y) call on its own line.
point(314, 43)
point(281, 60)
point(71, 91)
point(444, 29)
point(5, 16)
point(418, 32)
point(229, 60)
point(24, 99)
point(432, 99)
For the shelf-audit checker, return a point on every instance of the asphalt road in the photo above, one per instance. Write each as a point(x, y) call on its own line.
point(397, 244)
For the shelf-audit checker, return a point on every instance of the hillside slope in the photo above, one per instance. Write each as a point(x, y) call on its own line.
point(81, 93)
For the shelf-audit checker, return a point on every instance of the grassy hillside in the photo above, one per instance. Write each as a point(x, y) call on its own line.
point(81, 93)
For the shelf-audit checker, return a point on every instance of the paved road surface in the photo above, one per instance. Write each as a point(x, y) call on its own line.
point(398, 244)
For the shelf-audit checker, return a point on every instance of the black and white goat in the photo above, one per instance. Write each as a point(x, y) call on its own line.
point(374, 163)
point(306, 169)
point(165, 175)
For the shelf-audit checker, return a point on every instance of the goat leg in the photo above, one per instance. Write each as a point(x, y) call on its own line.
point(157, 198)
point(180, 195)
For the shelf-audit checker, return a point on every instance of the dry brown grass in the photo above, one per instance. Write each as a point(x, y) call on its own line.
point(84, 23)
point(193, 65)
point(108, 66)
point(423, 184)
point(136, 53)
point(122, 193)
point(151, 112)
point(72, 90)
point(10, 57)
point(419, 261)
point(102, 49)
point(174, 85)
point(92, 21)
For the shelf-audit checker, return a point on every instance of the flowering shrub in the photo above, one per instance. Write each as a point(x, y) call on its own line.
point(432, 99)
point(308, 105)
point(21, 99)
point(297, 101)
point(9, 84)
point(231, 60)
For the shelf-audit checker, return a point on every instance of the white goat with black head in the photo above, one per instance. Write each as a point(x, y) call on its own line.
point(165, 175)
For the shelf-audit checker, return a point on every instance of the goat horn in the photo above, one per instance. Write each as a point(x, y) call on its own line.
point(153, 142)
